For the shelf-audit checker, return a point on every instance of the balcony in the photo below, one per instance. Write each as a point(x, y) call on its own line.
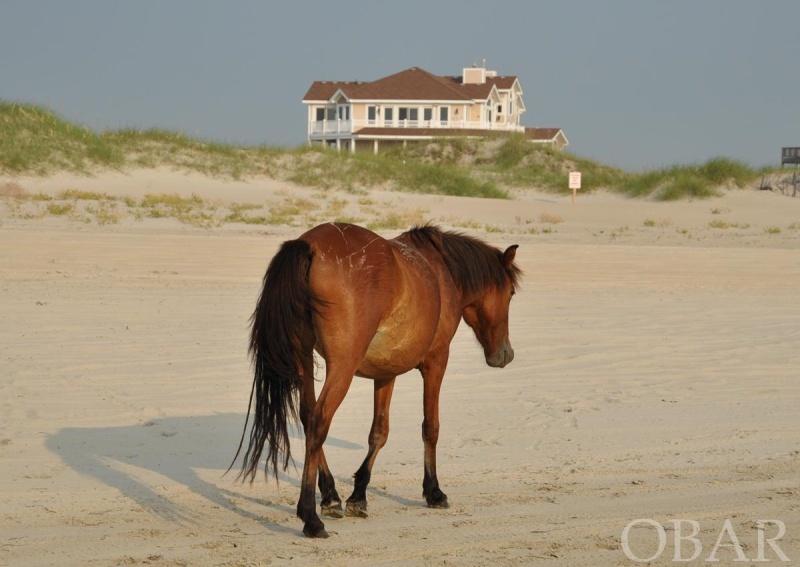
point(337, 128)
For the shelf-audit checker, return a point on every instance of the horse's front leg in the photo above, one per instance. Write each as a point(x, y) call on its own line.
point(378, 433)
point(432, 374)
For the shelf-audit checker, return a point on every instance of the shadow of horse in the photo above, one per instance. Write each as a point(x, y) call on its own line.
point(173, 447)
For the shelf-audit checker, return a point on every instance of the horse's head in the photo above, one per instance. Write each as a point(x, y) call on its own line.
point(488, 314)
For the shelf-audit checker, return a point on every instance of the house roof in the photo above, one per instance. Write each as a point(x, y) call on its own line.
point(542, 133)
point(547, 135)
point(502, 83)
point(410, 84)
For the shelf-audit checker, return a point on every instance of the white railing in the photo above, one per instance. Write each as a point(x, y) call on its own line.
point(330, 127)
point(321, 127)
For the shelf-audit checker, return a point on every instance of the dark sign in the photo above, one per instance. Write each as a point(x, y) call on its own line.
point(790, 155)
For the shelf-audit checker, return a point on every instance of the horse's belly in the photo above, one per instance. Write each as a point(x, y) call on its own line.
point(405, 333)
point(392, 353)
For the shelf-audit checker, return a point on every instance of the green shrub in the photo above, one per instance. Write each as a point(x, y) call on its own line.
point(723, 170)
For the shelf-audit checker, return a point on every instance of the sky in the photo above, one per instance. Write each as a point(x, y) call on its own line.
point(636, 84)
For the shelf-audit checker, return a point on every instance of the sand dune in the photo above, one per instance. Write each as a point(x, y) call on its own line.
point(655, 378)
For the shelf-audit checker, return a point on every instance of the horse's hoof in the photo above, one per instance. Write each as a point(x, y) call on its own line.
point(315, 530)
point(437, 500)
point(357, 509)
point(333, 511)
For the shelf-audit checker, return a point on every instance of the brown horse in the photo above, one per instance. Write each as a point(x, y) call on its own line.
point(374, 308)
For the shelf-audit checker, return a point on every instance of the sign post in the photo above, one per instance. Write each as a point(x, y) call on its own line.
point(574, 183)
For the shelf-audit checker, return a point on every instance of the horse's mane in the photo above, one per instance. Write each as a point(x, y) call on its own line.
point(474, 264)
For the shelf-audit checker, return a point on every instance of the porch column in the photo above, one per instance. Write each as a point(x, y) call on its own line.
point(310, 126)
point(375, 147)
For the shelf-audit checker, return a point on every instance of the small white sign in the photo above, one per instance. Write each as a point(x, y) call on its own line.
point(574, 179)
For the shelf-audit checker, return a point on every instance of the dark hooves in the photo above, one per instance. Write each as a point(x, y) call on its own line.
point(333, 511)
point(316, 534)
point(315, 530)
point(357, 509)
point(437, 500)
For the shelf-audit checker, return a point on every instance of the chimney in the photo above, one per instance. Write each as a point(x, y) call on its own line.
point(474, 75)
point(477, 75)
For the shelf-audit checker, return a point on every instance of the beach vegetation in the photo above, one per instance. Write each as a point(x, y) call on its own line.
point(723, 224)
point(60, 209)
point(398, 219)
point(36, 141)
point(550, 218)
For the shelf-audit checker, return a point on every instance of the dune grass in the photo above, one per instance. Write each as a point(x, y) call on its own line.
point(37, 141)
point(690, 181)
point(34, 140)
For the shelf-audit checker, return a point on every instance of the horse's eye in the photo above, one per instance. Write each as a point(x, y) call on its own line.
point(513, 292)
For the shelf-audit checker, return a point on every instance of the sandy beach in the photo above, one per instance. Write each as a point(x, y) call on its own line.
point(655, 386)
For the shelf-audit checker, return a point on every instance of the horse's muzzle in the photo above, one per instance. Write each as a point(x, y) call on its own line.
point(501, 357)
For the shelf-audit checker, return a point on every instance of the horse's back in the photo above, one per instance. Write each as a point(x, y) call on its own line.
point(349, 262)
point(341, 239)
point(381, 298)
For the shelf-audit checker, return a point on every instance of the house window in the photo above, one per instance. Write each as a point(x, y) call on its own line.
point(427, 114)
point(499, 109)
point(444, 114)
point(388, 115)
point(344, 113)
point(320, 114)
point(372, 114)
point(408, 113)
point(330, 114)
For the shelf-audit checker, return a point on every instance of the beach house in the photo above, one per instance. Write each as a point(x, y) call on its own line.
point(416, 105)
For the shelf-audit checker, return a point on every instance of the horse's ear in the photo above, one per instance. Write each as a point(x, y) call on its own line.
point(509, 254)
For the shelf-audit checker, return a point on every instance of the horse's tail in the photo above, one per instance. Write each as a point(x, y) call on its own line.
point(281, 344)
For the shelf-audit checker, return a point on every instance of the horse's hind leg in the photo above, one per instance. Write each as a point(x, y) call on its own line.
point(318, 422)
point(379, 432)
point(331, 503)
